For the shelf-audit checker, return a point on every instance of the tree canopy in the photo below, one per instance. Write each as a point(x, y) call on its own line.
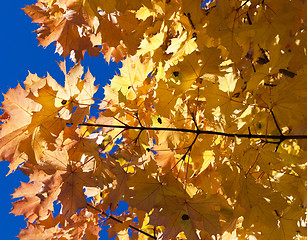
point(203, 133)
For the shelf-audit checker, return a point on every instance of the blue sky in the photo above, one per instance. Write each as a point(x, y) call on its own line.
point(20, 54)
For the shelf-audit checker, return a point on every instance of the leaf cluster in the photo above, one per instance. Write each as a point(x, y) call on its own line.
point(203, 132)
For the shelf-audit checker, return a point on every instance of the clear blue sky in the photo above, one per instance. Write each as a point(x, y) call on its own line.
point(20, 54)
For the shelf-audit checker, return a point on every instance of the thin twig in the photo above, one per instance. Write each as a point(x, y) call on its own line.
point(137, 117)
point(281, 134)
point(242, 5)
point(275, 121)
point(120, 221)
point(189, 150)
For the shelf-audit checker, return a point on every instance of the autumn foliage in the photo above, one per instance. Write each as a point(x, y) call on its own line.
point(203, 133)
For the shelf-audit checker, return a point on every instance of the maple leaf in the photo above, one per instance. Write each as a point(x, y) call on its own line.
point(165, 158)
point(192, 9)
point(18, 113)
point(71, 177)
point(34, 231)
point(254, 204)
point(165, 94)
point(72, 196)
point(133, 74)
point(151, 192)
point(195, 66)
point(119, 186)
point(38, 196)
point(45, 108)
point(187, 215)
point(58, 25)
point(76, 93)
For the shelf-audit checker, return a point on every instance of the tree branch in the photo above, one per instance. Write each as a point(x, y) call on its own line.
point(198, 131)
